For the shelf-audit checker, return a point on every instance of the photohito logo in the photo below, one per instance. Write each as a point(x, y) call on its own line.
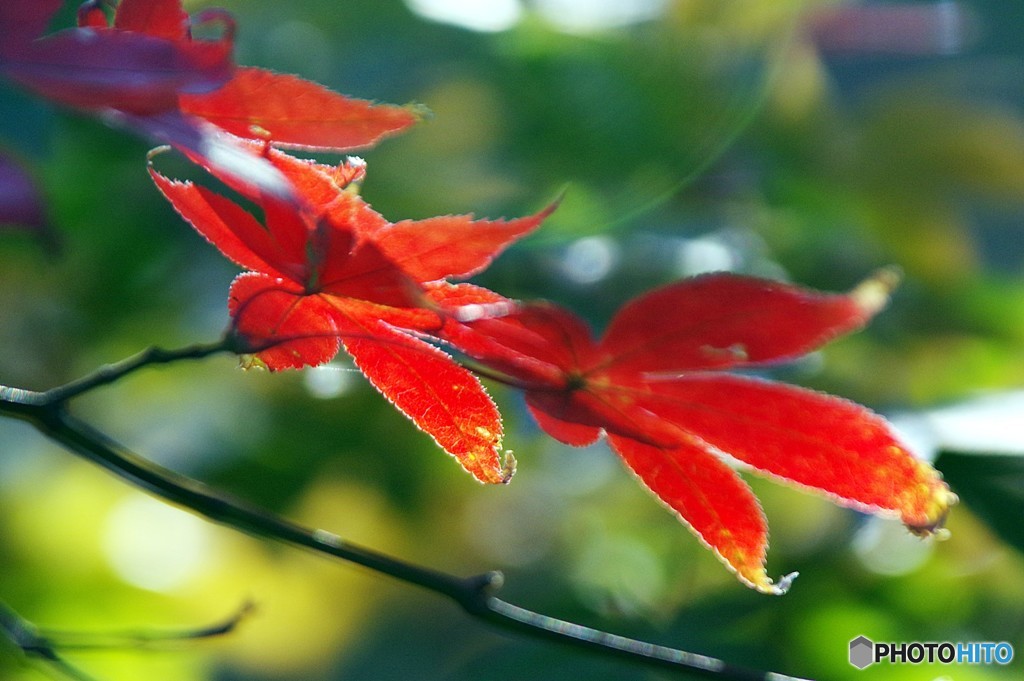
point(865, 652)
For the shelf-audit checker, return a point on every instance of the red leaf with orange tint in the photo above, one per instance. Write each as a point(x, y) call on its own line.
point(147, 73)
point(291, 112)
point(225, 224)
point(610, 408)
point(285, 328)
point(303, 256)
point(575, 433)
point(100, 69)
point(318, 280)
point(320, 186)
point(718, 321)
point(443, 399)
point(133, 73)
point(818, 441)
point(139, 66)
point(712, 500)
point(453, 246)
point(330, 244)
point(650, 385)
point(535, 345)
point(159, 18)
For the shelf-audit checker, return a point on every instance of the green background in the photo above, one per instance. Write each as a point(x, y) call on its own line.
point(720, 133)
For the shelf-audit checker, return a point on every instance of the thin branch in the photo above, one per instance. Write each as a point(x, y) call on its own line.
point(47, 411)
point(46, 645)
point(27, 638)
point(79, 641)
point(110, 373)
point(649, 654)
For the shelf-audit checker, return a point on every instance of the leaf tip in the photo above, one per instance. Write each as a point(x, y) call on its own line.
point(247, 362)
point(497, 471)
point(420, 112)
point(765, 585)
point(156, 151)
point(553, 205)
point(785, 582)
point(931, 521)
point(872, 294)
point(508, 467)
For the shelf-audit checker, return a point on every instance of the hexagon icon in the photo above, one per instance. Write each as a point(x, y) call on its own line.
point(862, 652)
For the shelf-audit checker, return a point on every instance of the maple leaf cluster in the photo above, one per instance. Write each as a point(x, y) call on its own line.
point(324, 272)
point(143, 70)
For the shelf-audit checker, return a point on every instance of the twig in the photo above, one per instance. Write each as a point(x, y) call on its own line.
point(27, 638)
point(45, 645)
point(47, 411)
point(154, 355)
point(80, 641)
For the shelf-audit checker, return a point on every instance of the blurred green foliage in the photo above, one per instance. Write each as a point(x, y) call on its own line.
point(717, 134)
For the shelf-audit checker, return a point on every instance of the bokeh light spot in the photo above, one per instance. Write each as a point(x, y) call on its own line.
point(589, 260)
point(588, 16)
point(328, 381)
point(155, 546)
point(491, 16)
point(886, 548)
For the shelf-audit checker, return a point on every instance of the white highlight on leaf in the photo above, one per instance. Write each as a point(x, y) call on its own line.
point(475, 312)
point(224, 152)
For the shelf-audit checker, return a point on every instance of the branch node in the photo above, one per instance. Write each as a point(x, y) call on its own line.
point(488, 583)
point(475, 593)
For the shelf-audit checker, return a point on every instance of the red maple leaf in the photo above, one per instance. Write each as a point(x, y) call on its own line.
point(330, 272)
point(654, 385)
point(138, 66)
point(146, 72)
point(288, 111)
